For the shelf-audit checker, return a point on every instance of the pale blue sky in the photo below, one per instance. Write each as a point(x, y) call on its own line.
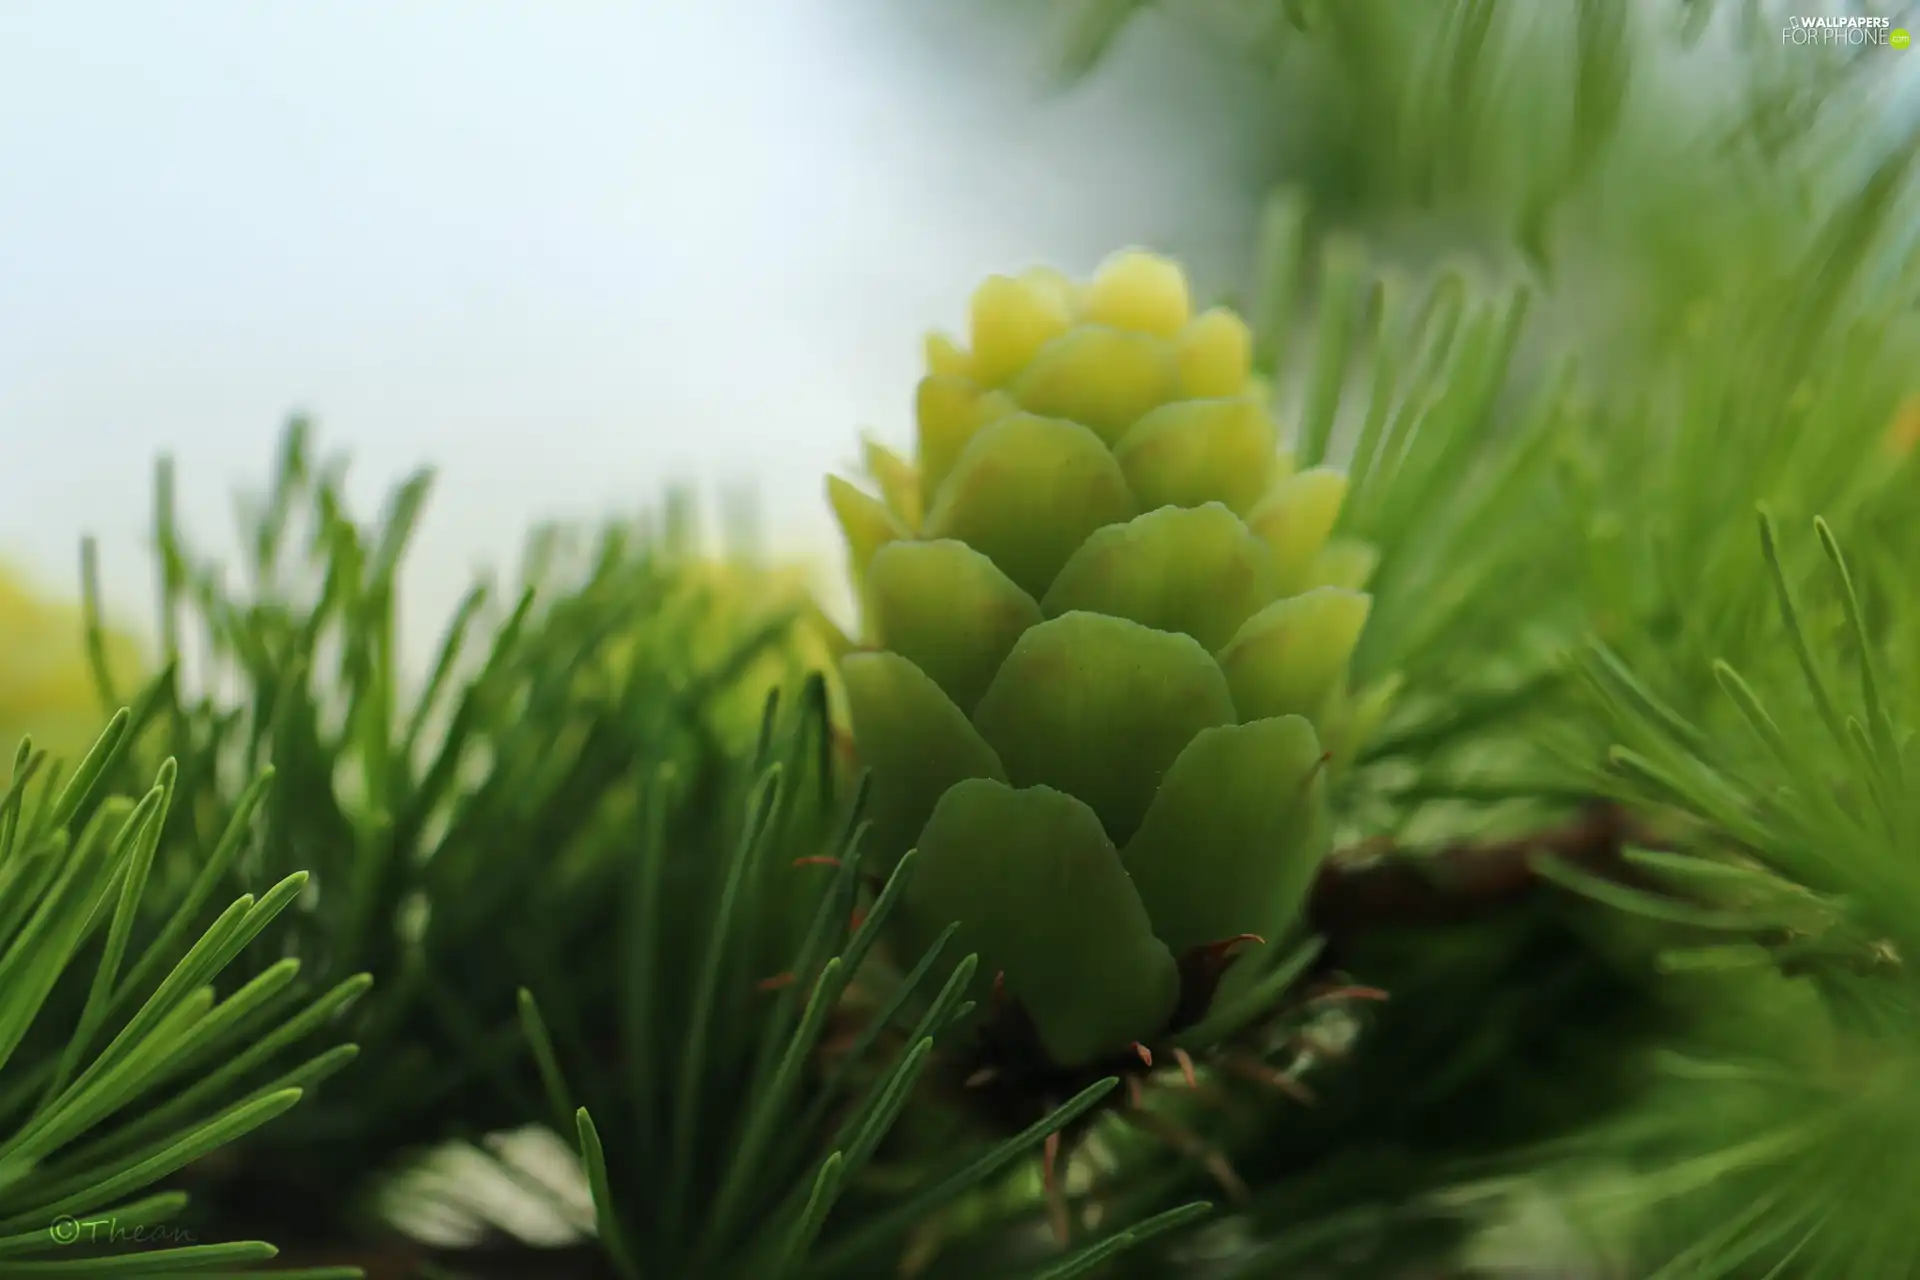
point(567, 252)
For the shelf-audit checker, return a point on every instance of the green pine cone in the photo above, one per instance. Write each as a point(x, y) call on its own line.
point(1103, 616)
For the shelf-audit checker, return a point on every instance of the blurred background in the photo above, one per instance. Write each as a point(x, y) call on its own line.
point(563, 254)
point(568, 255)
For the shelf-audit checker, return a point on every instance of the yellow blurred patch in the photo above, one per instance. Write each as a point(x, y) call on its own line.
point(740, 595)
point(1904, 432)
point(47, 687)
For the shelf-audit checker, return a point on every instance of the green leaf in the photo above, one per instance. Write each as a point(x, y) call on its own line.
point(1295, 519)
point(1343, 562)
point(1099, 707)
point(945, 608)
point(1084, 1261)
point(234, 1123)
point(1194, 452)
point(938, 1191)
point(949, 410)
point(1041, 897)
point(1194, 571)
point(700, 1040)
point(865, 522)
point(1341, 300)
point(1235, 835)
point(1103, 378)
point(606, 1215)
point(1283, 225)
point(915, 742)
point(1292, 656)
point(108, 749)
point(1027, 492)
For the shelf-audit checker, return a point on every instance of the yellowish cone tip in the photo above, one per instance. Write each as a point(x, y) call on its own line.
point(1140, 293)
point(1122, 350)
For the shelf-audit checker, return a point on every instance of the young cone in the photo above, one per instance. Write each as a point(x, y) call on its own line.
point(1105, 639)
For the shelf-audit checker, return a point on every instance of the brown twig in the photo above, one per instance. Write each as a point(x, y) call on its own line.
point(1375, 886)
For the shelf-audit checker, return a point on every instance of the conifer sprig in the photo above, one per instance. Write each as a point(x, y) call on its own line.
point(462, 826)
point(1782, 1136)
point(124, 1059)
